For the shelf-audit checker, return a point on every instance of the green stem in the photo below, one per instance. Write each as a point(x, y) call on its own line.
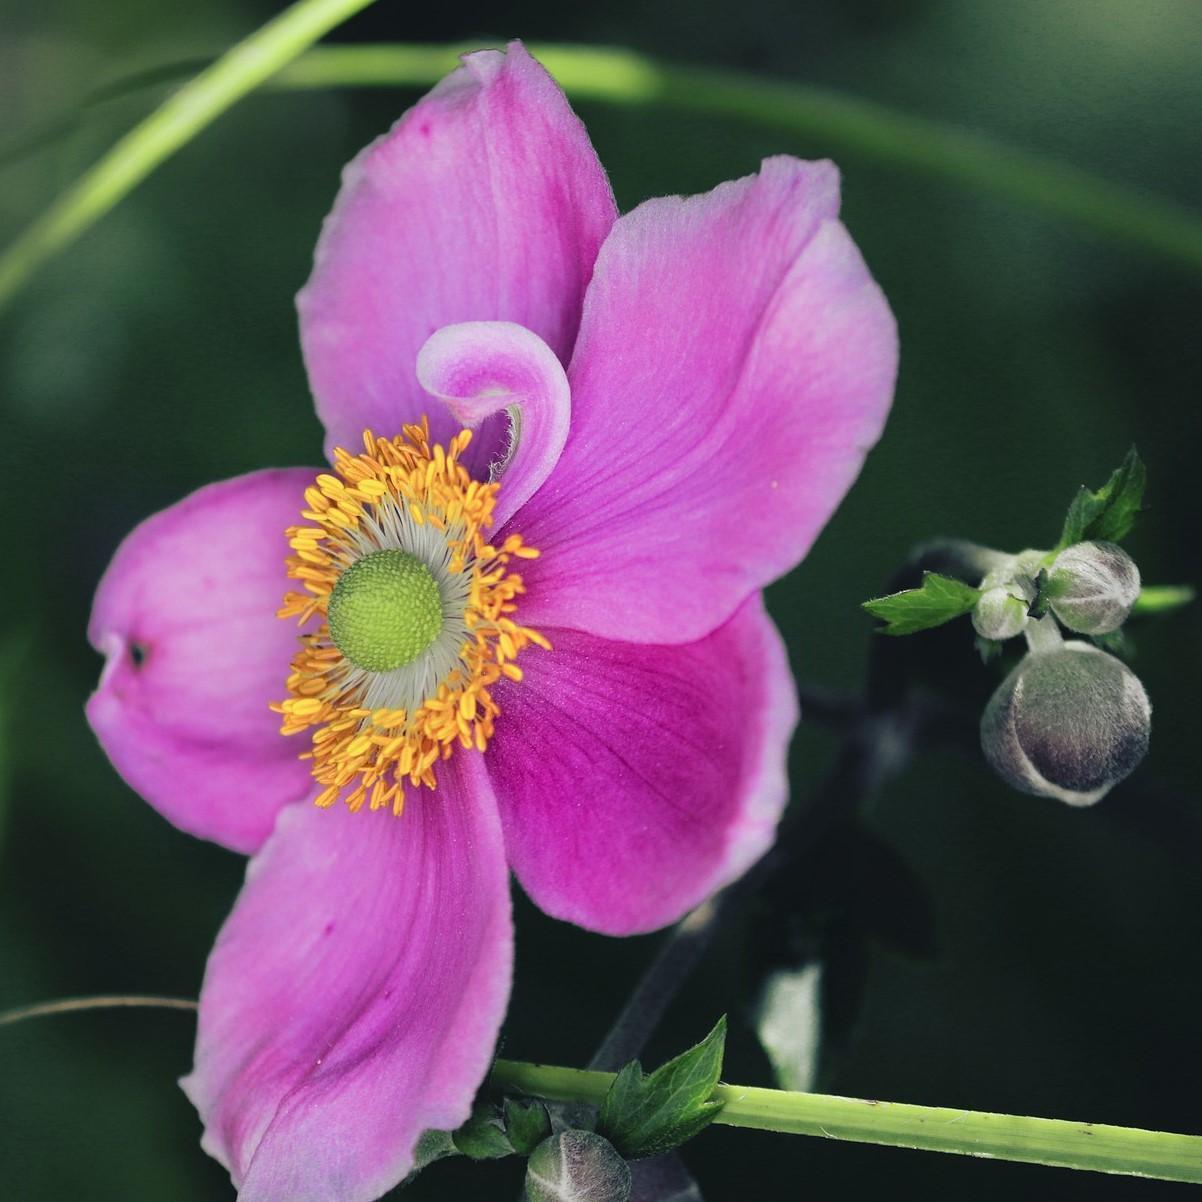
point(1092, 1146)
point(842, 123)
point(1043, 634)
point(169, 127)
point(1162, 598)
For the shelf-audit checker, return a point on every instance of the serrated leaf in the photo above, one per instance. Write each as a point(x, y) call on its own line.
point(675, 1134)
point(938, 600)
point(1108, 514)
point(1156, 599)
point(1044, 593)
point(648, 1114)
point(527, 1124)
point(431, 1146)
point(482, 1137)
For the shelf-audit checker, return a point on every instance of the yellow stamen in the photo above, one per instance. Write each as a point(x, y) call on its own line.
point(367, 755)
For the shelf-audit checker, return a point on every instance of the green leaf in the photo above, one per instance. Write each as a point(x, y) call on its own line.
point(1156, 599)
point(646, 1115)
point(482, 1137)
point(939, 600)
point(1108, 514)
point(1045, 593)
point(527, 1124)
point(431, 1146)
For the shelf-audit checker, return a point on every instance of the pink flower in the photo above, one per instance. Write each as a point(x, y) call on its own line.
point(670, 404)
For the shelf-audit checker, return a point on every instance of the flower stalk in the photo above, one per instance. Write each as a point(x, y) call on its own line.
point(1097, 1147)
point(854, 126)
point(1091, 1146)
point(175, 123)
point(848, 123)
point(1044, 635)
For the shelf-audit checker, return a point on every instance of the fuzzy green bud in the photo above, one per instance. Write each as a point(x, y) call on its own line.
point(998, 614)
point(577, 1166)
point(1068, 723)
point(385, 610)
point(1092, 586)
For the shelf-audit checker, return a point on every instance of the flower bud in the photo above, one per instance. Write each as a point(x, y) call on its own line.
point(1069, 723)
point(1092, 586)
point(998, 614)
point(577, 1166)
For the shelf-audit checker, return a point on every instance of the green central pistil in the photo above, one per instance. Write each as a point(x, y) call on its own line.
point(385, 610)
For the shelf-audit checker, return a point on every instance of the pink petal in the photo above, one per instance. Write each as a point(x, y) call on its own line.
point(185, 615)
point(485, 202)
point(481, 368)
point(636, 780)
point(354, 995)
point(734, 364)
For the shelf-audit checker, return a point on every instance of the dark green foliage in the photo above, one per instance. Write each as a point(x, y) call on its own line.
point(647, 1114)
point(482, 1136)
point(527, 1124)
point(1108, 514)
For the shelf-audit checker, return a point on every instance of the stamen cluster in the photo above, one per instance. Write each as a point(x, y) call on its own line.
point(373, 732)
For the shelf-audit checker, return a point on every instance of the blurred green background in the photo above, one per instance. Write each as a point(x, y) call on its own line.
point(1059, 974)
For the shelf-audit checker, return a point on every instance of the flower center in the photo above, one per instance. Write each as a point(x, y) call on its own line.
point(416, 617)
point(385, 610)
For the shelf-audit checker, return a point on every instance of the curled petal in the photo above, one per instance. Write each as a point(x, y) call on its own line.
point(481, 368)
point(636, 780)
point(734, 364)
point(485, 202)
point(185, 616)
point(354, 995)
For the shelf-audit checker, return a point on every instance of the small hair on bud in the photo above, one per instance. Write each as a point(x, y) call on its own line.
point(1069, 723)
point(1092, 586)
point(998, 614)
point(577, 1166)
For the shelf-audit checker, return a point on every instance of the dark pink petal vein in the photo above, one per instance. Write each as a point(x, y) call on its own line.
point(636, 780)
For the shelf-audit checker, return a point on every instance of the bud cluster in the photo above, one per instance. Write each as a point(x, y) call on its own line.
point(1071, 720)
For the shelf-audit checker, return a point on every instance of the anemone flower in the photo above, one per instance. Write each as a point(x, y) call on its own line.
point(651, 416)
